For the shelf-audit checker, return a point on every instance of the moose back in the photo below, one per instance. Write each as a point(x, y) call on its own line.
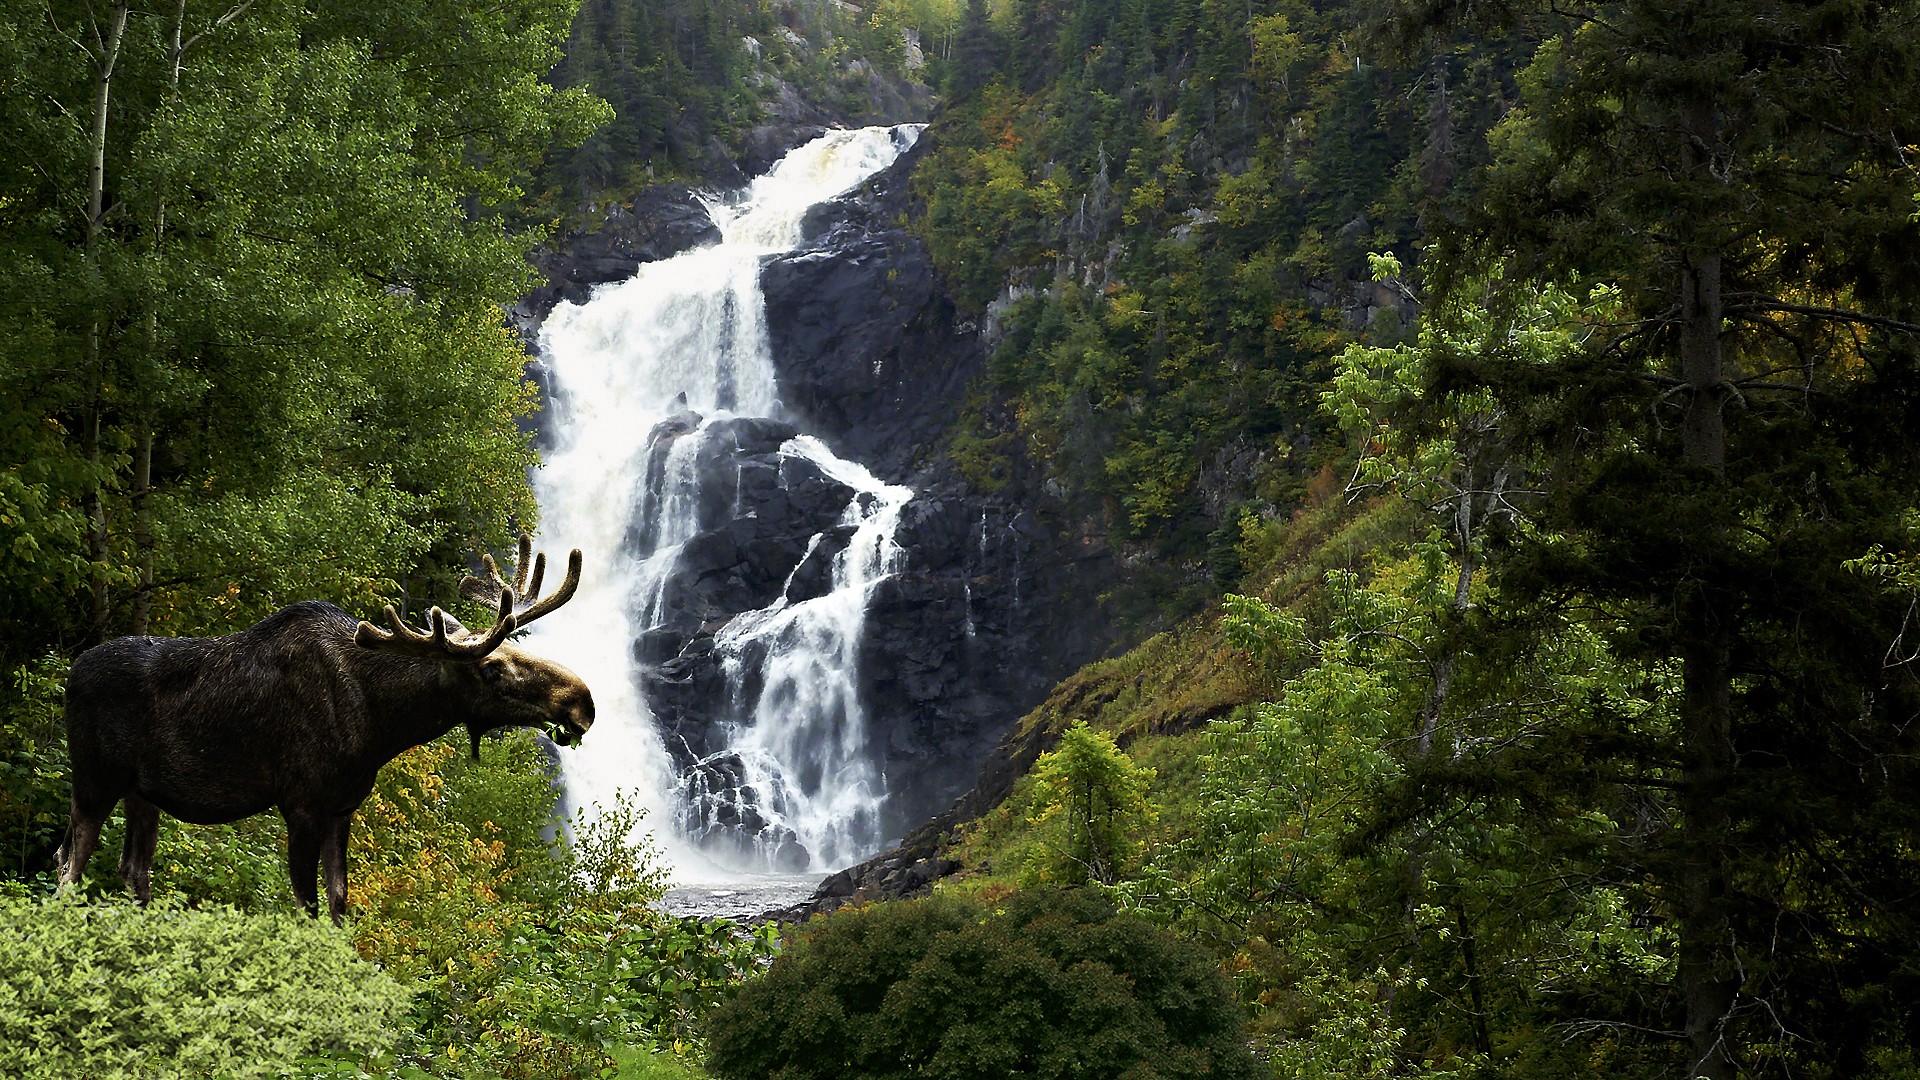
point(298, 712)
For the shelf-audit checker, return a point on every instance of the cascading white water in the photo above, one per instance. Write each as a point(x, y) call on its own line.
point(824, 789)
point(647, 375)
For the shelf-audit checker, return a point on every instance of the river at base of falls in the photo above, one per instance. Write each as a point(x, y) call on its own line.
point(648, 375)
point(742, 899)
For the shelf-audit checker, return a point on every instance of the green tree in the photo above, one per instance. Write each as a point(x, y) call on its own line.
point(1042, 983)
point(1720, 452)
point(1374, 839)
point(1088, 806)
point(253, 261)
point(976, 53)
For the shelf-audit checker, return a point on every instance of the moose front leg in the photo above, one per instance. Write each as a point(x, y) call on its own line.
point(333, 864)
point(305, 833)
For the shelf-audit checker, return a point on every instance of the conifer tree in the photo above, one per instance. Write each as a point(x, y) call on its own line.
point(975, 55)
point(1741, 172)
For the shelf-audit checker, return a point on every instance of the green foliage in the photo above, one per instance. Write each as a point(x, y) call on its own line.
point(33, 766)
point(1714, 460)
point(1042, 984)
point(257, 352)
point(109, 990)
point(689, 79)
point(675, 74)
point(1087, 806)
point(529, 956)
point(242, 865)
point(528, 950)
point(655, 1065)
point(1165, 209)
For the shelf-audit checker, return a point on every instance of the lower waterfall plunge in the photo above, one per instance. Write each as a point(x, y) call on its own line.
point(671, 457)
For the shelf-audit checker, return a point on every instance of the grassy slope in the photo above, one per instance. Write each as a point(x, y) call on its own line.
point(1157, 699)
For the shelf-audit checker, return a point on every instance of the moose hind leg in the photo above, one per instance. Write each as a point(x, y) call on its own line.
point(86, 818)
point(136, 855)
point(304, 835)
point(333, 864)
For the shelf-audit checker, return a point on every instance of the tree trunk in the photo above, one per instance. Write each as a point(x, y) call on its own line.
point(143, 530)
point(1709, 969)
point(94, 503)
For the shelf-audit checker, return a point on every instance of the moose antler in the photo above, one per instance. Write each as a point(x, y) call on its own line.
point(435, 643)
point(530, 606)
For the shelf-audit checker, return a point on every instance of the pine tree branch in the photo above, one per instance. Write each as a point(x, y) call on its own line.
point(1814, 311)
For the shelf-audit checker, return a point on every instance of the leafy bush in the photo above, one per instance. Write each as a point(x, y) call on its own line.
point(1045, 984)
point(532, 956)
point(104, 990)
point(33, 765)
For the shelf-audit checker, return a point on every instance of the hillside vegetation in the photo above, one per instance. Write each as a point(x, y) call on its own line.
point(1529, 378)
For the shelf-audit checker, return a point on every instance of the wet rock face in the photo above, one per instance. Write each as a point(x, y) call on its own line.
point(983, 620)
point(989, 615)
point(768, 526)
point(724, 816)
point(657, 223)
point(872, 354)
point(995, 606)
point(759, 515)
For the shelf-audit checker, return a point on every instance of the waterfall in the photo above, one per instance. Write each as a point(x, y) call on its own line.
point(670, 442)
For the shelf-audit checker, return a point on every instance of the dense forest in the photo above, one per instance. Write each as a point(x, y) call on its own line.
point(1501, 414)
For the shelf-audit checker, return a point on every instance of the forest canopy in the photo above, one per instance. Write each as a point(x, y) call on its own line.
point(1539, 377)
point(253, 267)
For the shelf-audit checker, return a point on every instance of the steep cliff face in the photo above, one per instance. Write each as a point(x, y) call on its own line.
point(998, 601)
point(872, 354)
point(994, 601)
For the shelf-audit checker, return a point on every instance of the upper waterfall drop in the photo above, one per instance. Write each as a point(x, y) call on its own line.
point(671, 455)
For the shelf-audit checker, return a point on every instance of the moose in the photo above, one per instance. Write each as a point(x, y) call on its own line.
point(299, 712)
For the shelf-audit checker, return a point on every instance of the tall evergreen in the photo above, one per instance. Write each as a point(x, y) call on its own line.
point(1741, 173)
point(976, 53)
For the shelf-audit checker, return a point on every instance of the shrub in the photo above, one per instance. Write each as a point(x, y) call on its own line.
point(105, 990)
point(1046, 984)
point(532, 953)
point(33, 766)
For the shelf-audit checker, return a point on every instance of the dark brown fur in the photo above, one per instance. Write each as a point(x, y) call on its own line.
point(292, 713)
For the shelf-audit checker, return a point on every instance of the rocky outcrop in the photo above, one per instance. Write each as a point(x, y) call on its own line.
point(987, 614)
point(873, 355)
point(768, 527)
point(656, 223)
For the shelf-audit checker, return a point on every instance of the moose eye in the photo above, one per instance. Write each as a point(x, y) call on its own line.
point(491, 670)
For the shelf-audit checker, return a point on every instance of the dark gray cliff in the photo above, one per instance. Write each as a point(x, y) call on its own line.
point(999, 601)
point(871, 352)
